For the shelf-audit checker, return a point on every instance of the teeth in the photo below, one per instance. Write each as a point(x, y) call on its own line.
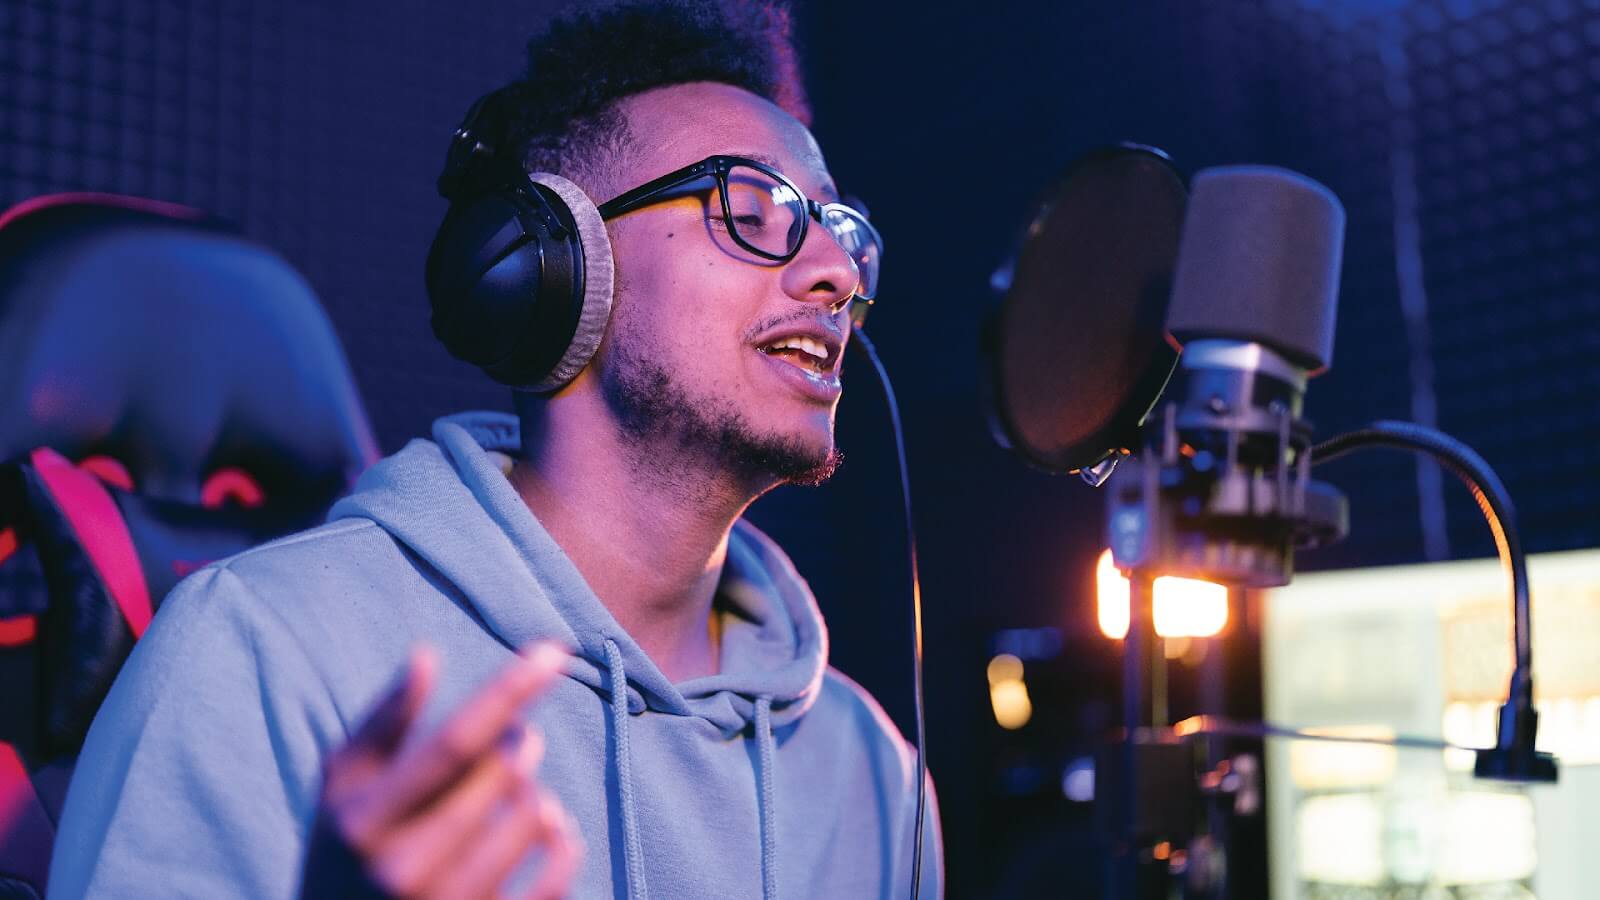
point(808, 346)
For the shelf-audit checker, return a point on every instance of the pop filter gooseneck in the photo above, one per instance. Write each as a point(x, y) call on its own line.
point(1077, 349)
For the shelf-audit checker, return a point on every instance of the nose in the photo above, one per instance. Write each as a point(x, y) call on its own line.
point(821, 272)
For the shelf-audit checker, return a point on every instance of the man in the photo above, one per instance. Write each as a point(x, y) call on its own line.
point(695, 742)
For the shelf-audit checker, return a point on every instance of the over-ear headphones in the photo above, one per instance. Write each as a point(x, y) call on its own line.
point(520, 274)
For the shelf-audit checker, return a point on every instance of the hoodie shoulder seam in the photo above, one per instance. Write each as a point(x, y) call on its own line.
point(321, 532)
point(282, 624)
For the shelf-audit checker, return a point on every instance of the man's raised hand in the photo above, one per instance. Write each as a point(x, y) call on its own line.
point(446, 815)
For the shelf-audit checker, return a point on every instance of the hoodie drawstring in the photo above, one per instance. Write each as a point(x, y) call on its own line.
point(633, 858)
point(633, 850)
point(769, 833)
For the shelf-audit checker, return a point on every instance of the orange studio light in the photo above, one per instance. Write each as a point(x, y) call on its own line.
point(1184, 607)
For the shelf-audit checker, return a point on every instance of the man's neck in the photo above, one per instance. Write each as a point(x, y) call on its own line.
point(650, 542)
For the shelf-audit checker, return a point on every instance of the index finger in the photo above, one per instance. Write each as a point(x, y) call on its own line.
point(422, 770)
point(392, 715)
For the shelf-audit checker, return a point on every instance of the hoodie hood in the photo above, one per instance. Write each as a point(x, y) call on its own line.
point(440, 499)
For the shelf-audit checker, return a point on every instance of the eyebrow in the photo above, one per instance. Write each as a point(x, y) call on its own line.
point(829, 193)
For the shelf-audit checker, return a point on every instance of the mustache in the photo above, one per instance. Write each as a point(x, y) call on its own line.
point(827, 323)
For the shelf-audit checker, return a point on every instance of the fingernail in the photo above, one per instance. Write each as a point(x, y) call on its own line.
point(530, 752)
point(545, 655)
point(421, 658)
point(553, 817)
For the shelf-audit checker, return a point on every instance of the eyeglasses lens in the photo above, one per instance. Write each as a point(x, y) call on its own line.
point(860, 240)
point(766, 213)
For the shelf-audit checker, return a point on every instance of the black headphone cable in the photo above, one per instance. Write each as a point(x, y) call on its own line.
point(860, 340)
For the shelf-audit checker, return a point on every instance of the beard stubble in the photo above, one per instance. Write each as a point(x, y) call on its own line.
point(655, 410)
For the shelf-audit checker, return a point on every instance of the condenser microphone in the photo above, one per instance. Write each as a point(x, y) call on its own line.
point(1253, 304)
point(1120, 266)
point(1258, 264)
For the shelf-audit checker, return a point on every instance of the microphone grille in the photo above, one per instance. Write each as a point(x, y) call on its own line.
point(1259, 261)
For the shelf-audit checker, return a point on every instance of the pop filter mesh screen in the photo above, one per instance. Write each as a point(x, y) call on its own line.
point(1082, 327)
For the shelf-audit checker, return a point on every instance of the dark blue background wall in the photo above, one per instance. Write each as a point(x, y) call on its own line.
point(1461, 135)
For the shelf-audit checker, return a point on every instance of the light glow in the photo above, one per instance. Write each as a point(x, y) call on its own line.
point(1339, 839)
point(1184, 607)
point(1007, 692)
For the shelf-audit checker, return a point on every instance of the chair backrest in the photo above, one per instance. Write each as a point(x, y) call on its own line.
point(170, 393)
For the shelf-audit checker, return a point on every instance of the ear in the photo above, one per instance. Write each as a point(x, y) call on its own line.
point(598, 280)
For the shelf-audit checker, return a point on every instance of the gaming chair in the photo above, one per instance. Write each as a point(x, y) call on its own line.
point(170, 393)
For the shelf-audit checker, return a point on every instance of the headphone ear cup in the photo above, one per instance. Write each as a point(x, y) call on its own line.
point(599, 281)
point(525, 306)
point(484, 273)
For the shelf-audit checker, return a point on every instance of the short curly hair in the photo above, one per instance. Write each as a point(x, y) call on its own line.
point(566, 116)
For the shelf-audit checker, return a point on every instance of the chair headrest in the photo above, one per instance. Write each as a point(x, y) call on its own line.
point(159, 337)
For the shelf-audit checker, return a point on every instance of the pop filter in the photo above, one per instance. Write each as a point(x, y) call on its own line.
point(1077, 348)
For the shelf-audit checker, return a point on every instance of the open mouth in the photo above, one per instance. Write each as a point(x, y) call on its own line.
point(805, 353)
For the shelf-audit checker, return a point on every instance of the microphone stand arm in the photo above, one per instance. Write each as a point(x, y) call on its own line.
point(1513, 757)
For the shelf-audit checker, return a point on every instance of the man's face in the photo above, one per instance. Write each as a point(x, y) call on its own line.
point(689, 358)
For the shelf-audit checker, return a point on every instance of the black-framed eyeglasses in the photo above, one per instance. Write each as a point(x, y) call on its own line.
point(767, 215)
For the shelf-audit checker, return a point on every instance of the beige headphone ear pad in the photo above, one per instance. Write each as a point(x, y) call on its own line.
point(598, 282)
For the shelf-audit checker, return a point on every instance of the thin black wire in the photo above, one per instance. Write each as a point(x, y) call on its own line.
point(871, 352)
point(1492, 498)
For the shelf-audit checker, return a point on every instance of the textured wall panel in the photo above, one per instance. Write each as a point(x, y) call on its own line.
point(318, 128)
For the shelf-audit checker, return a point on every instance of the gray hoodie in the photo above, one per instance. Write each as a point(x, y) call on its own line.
point(776, 777)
